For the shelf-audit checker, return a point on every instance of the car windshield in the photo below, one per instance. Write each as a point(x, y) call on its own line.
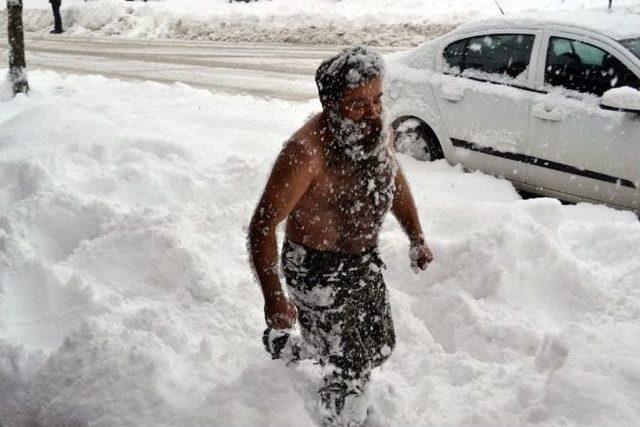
point(633, 45)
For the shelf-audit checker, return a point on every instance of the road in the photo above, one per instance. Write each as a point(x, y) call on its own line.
point(271, 70)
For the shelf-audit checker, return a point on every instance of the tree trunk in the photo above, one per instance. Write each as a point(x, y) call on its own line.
point(17, 63)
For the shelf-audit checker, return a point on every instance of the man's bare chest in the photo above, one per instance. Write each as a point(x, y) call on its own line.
point(354, 190)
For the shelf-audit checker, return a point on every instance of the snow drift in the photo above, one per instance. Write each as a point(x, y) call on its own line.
point(126, 297)
point(379, 22)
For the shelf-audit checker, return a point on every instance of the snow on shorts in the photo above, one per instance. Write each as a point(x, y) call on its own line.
point(343, 306)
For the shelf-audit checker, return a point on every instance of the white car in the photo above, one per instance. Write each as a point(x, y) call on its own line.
point(549, 102)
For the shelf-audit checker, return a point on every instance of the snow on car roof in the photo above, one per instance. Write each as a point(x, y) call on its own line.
point(612, 24)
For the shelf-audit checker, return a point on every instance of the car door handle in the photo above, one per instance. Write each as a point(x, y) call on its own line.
point(453, 91)
point(546, 113)
point(452, 97)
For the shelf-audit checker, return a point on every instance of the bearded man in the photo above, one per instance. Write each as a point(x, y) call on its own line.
point(334, 182)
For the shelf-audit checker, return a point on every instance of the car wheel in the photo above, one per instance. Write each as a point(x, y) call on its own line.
point(416, 139)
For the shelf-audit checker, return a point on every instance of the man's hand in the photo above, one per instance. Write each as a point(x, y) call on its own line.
point(420, 256)
point(279, 312)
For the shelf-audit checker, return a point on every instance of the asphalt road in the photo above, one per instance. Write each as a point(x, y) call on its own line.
point(272, 70)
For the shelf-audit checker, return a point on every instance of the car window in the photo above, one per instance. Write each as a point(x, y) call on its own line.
point(561, 46)
point(454, 55)
point(503, 55)
point(589, 55)
point(585, 68)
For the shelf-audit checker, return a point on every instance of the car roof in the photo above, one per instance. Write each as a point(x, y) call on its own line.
point(612, 24)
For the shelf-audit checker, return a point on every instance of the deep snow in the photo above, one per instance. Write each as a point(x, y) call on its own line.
point(126, 297)
point(379, 22)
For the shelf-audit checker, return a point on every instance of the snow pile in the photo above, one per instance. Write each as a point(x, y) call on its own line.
point(379, 22)
point(126, 296)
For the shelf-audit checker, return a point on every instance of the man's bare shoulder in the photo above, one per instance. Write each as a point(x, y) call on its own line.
point(305, 145)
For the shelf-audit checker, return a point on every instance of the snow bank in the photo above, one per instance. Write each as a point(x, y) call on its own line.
point(126, 297)
point(379, 22)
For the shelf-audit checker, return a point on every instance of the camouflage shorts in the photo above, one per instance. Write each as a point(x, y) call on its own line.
point(343, 304)
point(344, 313)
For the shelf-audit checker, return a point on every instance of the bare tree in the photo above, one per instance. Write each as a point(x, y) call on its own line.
point(17, 62)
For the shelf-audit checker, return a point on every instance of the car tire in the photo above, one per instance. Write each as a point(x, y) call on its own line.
point(415, 138)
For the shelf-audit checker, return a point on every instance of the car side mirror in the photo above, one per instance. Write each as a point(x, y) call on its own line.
point(624, 99)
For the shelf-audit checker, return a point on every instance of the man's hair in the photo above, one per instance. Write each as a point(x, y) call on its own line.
point(349, 69)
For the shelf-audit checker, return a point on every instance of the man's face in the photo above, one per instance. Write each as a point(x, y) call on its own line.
point(363, 102)
point(357, 117)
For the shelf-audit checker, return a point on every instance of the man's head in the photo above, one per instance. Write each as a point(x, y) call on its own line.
point(350, 90)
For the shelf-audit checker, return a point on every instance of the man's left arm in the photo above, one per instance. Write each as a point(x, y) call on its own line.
point(404, 209)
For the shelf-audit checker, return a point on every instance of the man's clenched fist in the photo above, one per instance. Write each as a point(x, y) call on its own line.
point(420, 256)
point(279, 312)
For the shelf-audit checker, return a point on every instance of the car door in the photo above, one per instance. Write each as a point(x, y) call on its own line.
point(576, 147)
point(484, 97)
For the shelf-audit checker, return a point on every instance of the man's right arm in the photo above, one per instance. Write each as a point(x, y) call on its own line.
point(293, 172)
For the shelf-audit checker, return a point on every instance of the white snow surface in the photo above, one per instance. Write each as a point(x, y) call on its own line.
point(375, 22)
point(126, 296)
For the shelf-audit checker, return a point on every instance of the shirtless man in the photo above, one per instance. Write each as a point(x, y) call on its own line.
point(334, 182)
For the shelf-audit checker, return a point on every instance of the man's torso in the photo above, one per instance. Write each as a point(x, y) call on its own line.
point(343, 208)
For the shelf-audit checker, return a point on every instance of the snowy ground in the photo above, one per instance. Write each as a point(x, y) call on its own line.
point(375, 22)
point(126, 296)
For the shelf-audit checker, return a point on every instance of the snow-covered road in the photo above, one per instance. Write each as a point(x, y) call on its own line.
point(274, 70)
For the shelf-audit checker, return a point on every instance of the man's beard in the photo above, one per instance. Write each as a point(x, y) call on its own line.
point(358, 140)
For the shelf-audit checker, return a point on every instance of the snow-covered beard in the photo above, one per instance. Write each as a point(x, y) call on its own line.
point(359, 140)
point(365, 144)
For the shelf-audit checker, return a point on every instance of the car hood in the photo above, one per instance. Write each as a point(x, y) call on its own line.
point(422, 57)
point(413, 65)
